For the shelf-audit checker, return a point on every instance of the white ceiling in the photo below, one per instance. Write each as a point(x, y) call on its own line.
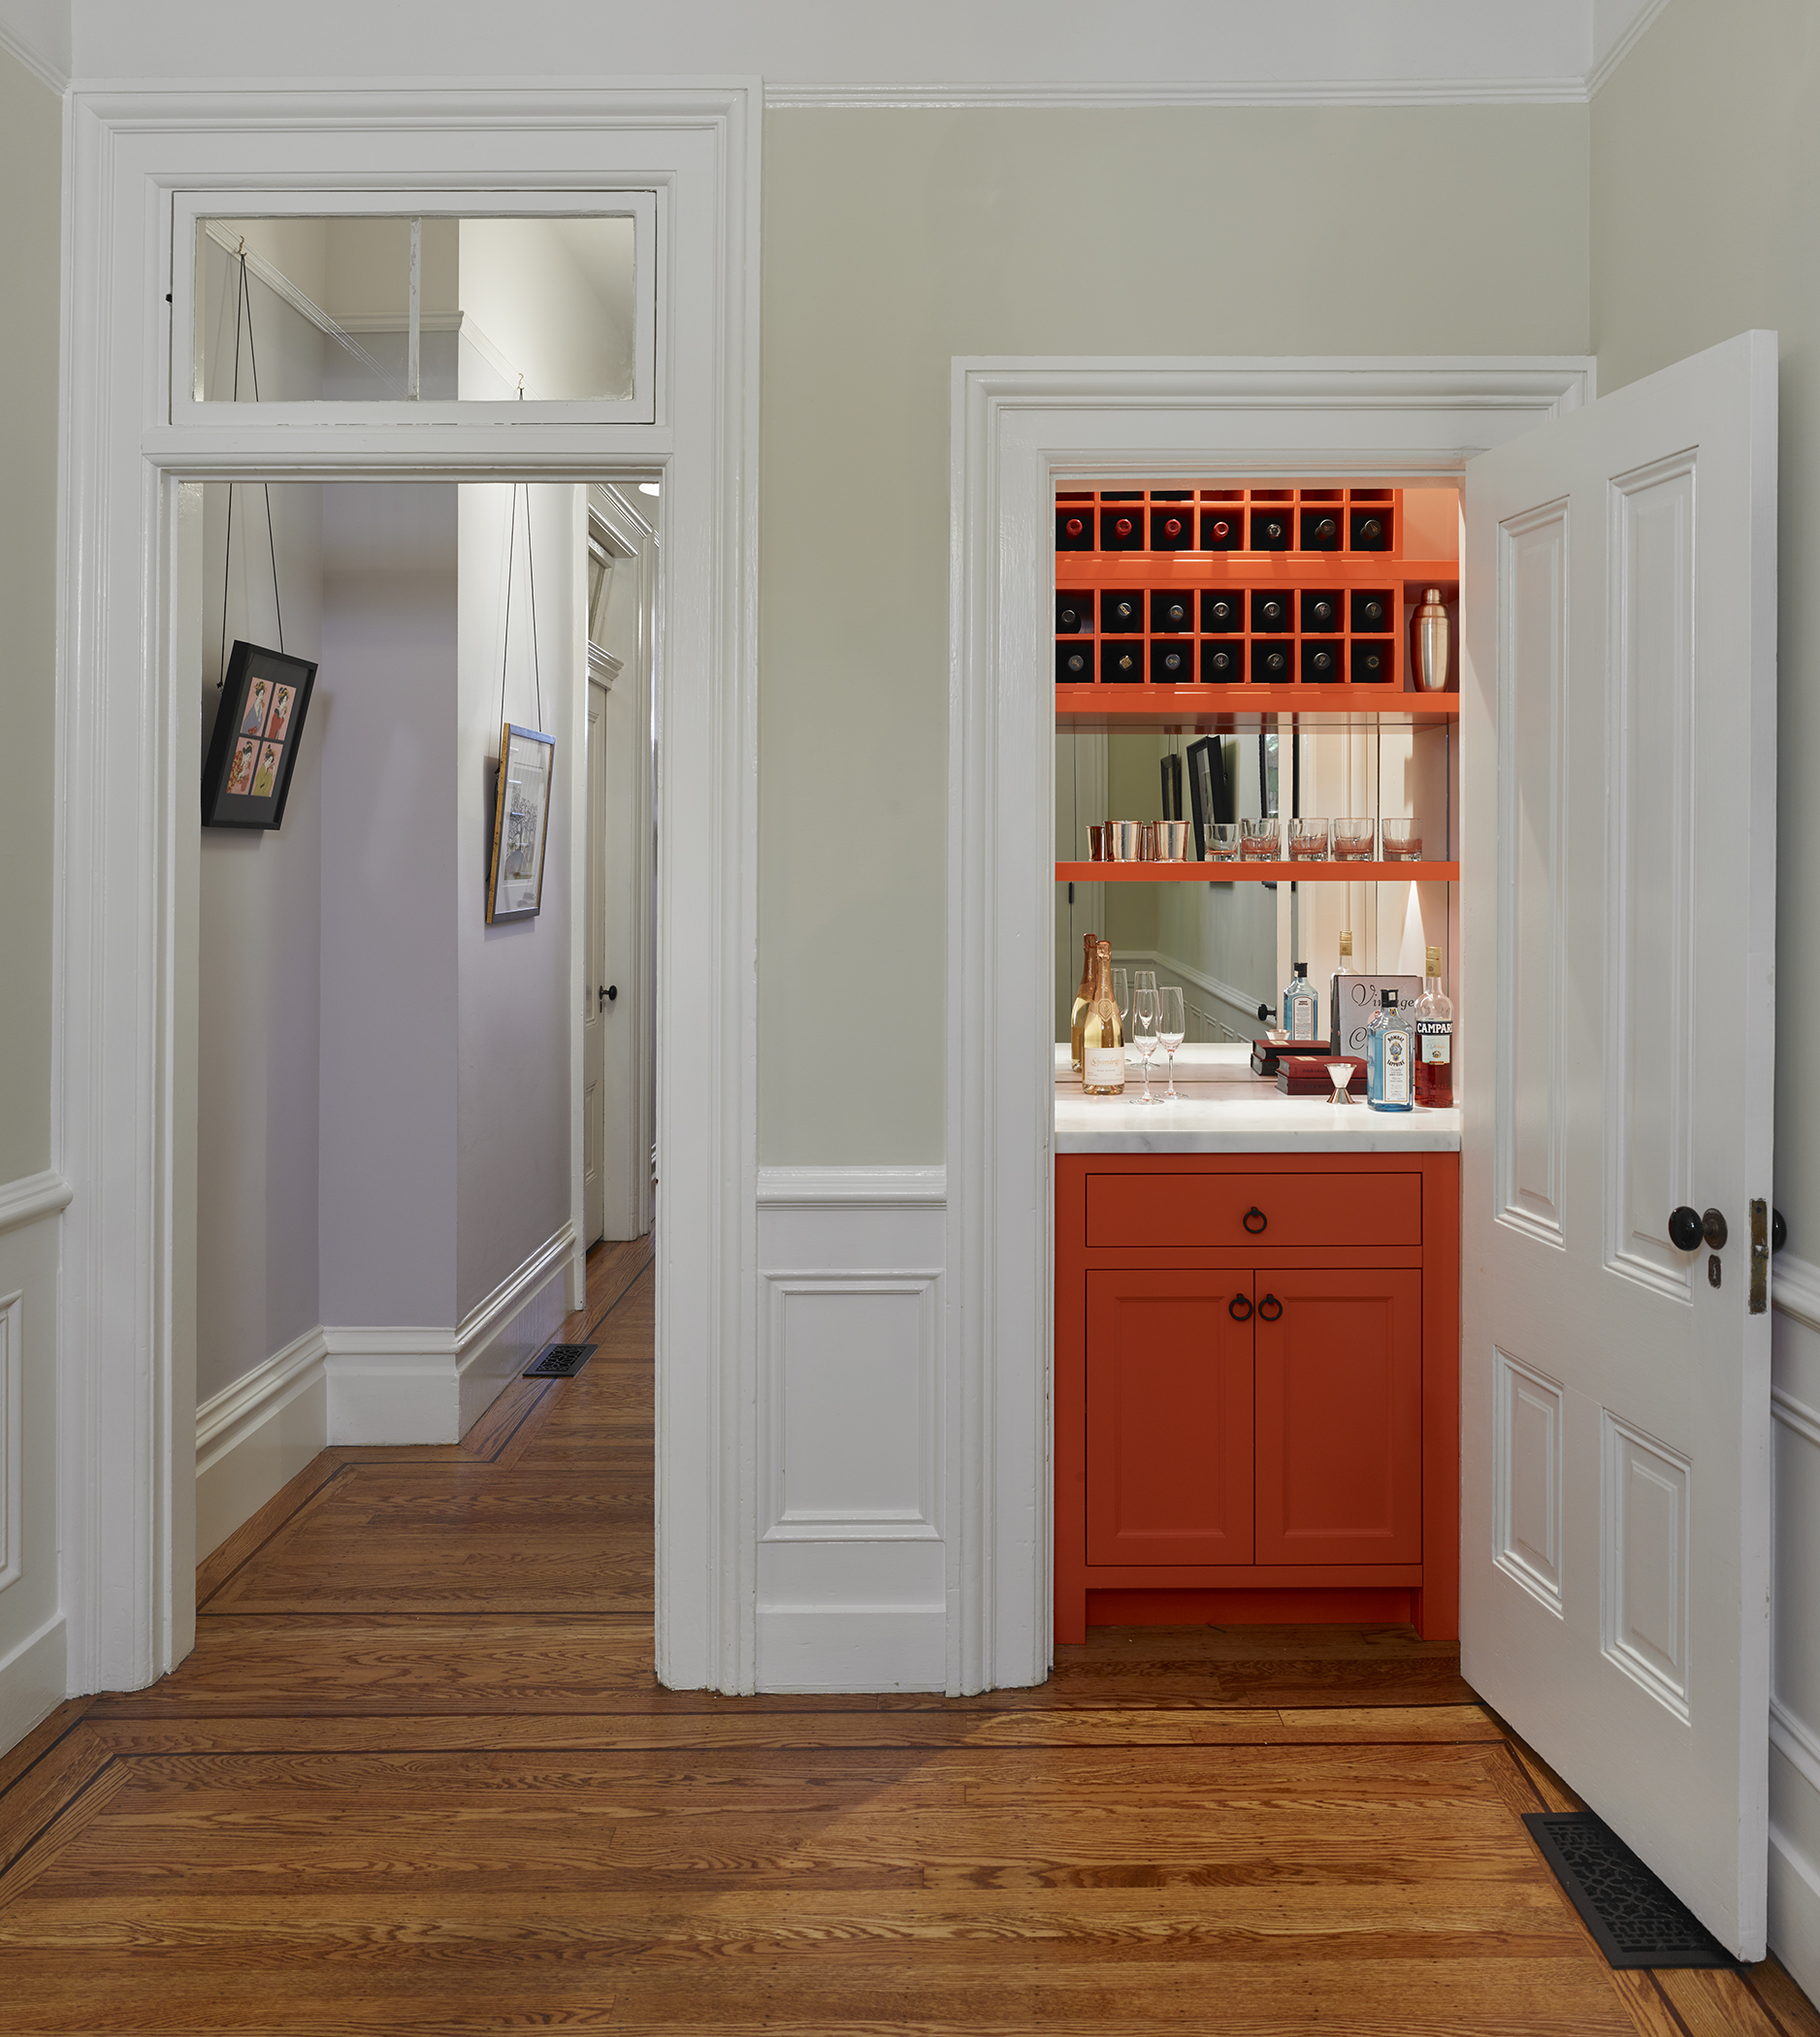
point(836, 51)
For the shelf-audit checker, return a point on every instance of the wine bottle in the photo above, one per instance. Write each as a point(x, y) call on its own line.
point(1073, 614)
point(1270, 663)
point(1074, 665)
point(1222, 664)
point(1434, 1040)
point(1083, 997)
point(1270, 611)
point(1171, 611)
point(1122, 665)
point(1102, 1034)
point(1320, 531)
point(1270, 529)
point(1371, 531)
point(1172, 665)
point(1074, 530)
point(1120, 530)
point(1370, 611)
point(1321, 662)
point(1172, 530)
point(1371, 664)
point(1320, 612)
point(1124, 615)
point(1220, 530)
point(1222, 611)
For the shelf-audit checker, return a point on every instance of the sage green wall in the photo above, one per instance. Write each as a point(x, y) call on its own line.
point(31, 182)
point(894, 241)
point(1705, 221)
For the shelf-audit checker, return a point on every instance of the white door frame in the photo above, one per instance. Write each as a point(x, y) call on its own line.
point(125, 937)
point(1020, 426)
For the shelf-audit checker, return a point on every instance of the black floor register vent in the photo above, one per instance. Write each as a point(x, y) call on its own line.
point(1636, 1918)
point(561, 1361)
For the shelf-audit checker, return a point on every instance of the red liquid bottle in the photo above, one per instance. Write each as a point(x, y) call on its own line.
point(1434, 1040)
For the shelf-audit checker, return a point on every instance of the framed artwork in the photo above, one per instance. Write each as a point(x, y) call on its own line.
point(246, 777)
point(521, 824)
point(1209, 795)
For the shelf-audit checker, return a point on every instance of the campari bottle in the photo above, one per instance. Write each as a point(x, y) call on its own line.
point(1434, 1040)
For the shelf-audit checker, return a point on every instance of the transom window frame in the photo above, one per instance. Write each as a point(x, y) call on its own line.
point(647, 205)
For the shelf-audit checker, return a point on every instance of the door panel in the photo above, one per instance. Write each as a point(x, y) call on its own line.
point(1168, 1417)
point(1340, 1416)
point(1618, 901)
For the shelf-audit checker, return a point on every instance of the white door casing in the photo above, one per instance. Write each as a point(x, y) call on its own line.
point(594, 976)
point(124, 955)
point(1020, 428)
point(1618, 878)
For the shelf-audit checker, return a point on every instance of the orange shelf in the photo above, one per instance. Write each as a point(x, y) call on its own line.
point(1223, 709)
point(1326, 872)
point(1096, 570)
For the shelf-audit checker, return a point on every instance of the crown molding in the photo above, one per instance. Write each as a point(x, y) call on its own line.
point(784, 94)
point(1639, 22)
point(41, 67)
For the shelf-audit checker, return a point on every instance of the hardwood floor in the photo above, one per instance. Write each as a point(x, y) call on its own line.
point(417, 1777)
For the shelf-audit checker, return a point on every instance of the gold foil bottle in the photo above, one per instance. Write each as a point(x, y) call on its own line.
point(1102, 1034)
point(1083, 997)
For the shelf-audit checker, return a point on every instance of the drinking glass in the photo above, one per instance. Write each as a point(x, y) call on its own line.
point(1352, 838)
point(1098, 848)
point(1403, 841)
point(1222, 841)
point(1143, 1022)
point(1122, 997)
point(1308, 840)
point(1260, 841)
point(1171, 1030)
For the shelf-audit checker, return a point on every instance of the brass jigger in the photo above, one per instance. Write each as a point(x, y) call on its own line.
point(1340, 1074)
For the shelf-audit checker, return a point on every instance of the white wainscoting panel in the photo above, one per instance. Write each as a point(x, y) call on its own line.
point(33, 1631)
point(1526, 1423)
point(854, 1553)
point(1645, 1501)
point(1795, 1666)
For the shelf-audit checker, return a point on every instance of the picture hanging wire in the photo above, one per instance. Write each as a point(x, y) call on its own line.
point(531, 563)
point(243, 296)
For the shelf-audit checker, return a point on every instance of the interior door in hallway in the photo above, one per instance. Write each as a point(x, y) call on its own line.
point(1619, 809)
point(594, 999)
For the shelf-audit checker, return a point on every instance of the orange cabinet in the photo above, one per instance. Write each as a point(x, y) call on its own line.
point(1256, 1389)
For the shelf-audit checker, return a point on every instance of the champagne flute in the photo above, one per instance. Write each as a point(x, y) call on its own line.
point(1143, 1024)
point(1171, 1030)
point(1122, 997)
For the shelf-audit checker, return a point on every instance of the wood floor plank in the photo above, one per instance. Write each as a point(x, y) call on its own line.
point(419, 1777)
point(1794, 2013)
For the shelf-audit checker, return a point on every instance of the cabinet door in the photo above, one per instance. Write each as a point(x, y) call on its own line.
point(1168, 1417)
point(1339, 1376)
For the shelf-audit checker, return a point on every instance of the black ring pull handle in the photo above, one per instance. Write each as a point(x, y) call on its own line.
point(1269, 1309)
point(1257, 1227)
point(1240, 1308)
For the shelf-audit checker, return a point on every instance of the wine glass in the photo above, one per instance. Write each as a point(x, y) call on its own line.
point(1171, 1030)
point(1122, 997)
point(1143, 1024)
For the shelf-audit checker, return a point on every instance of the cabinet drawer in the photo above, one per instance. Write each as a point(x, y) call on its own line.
point(1145, 1210)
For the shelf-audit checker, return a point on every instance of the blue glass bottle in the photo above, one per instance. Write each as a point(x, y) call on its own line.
point(1301, 1009)
point(1391, 1056)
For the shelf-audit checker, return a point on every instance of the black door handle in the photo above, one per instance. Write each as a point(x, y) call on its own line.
point(1269, 1309)
point(1240, 1308)
point(1685, 1230)
point(1261, 1223)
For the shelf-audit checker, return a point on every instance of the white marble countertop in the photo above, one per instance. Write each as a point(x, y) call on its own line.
point(1226, 1109)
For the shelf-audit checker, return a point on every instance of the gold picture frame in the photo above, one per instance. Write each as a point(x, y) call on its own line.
point(521, 824)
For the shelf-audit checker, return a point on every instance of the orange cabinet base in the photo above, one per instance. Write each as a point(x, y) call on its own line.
point(1256, 1420)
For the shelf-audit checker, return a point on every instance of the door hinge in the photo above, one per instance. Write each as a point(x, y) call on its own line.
point(1759, 1256)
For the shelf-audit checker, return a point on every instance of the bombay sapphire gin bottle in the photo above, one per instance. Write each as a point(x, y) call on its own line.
point(1389, 1057)
point(1301, 1008)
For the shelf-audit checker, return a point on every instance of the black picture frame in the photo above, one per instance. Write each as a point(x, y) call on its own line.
point(1210, 796)
point(258, 730)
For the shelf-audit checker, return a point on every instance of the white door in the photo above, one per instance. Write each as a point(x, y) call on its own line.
point(1618, 907)
point(594, 990)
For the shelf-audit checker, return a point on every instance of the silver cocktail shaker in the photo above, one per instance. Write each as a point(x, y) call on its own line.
point(1433, 634)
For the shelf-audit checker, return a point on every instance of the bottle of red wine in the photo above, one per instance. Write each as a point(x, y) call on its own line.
point(1074, 665)
point(1121, 664)
point(1122, 615)
point(1171, 611)
point(1222, 664)
point(1370, 610)
point(1172, 665)
point(1074, 527)
point(1320, 531)
point(1320, 612)
point(1073, 614)
point(1172, 530)
point(1270, 663)
point(1321, 662)
point(1270, 529)
point(1371, 531)
point(1121, 530)
point(1371, 664)
point(1221, 530)
point(1222, 611)
point(1270, 611)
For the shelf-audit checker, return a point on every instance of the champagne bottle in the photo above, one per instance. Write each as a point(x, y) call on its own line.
point(1434, 1040)
point(1102, 1033)
point(1083, 997)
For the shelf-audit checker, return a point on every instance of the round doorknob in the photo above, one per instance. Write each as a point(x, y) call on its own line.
point(1240, 1308)
point(1685, 1229)
point(1712, 1229)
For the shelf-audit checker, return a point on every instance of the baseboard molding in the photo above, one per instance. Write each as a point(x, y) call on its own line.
point(34, 1680)
point(430, 1385)
point(832, 1187)
point(853, 1648)
point(256, 1436)
point(32, 1196)
point(1795, 1912)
